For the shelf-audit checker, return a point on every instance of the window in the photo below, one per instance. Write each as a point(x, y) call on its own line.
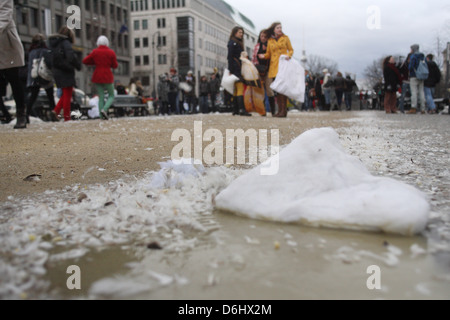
point(144, 24)
point(137, 60)
point(88, 32)
point(146, 60)
point(162, 59)
point(199, 26)
point(200, 43)
point(136, 24)
point(87, 4)
point(161, 41)
point(145, 81)
point(137, 43)
point(111, 10)
point(145, 42)
point(161, 23)
point(125, 41)
point(34, 17)
point(119, 14)
point(103, 8)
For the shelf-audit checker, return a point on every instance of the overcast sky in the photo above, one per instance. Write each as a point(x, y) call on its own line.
point(346, 30)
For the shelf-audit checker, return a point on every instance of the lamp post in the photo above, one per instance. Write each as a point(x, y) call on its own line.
point(153, 53)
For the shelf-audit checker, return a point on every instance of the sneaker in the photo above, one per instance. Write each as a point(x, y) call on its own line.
point(105, 116)
point(54, 116)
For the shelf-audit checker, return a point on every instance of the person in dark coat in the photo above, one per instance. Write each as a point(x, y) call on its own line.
point(392, 82)
point(104, 59)
point(434, 77)
point(339, 88)
point(12, 58)
point(64, 64)
point(214, 90)
point(204, 94)
point(235, 47)
point(350, 84)
point(38, 50)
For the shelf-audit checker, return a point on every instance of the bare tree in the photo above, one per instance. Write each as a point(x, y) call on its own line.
point(315, 64)
point(374, 72)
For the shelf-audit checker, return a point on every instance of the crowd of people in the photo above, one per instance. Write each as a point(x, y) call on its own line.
point(417, 76)
point(53, 62)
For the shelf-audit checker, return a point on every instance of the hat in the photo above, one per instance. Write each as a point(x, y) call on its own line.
point(190, 72)
point(325, 71)
point(415, 47)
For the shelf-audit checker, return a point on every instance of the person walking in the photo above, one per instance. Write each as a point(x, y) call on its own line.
point(163, 95)
point(417, 85)
point(38, 50)
point(204, 95)
point(430, 83)
point(12, 58)
point(277, 45)
point(350, 84)
point(104, 59)
point(339, 89)
point(392, 82)
point(327, 85)
point(263, 68)
point(64, 64)
point(235, 47)
point(403, 67)
point(214, 90)
point(174, 83)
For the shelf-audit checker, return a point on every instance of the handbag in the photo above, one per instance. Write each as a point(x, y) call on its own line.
point(228, 81)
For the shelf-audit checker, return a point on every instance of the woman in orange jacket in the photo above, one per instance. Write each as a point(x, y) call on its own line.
point(278, 44)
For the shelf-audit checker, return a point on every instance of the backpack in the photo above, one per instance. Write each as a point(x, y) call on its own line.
point(422, 71)
point(40, 69)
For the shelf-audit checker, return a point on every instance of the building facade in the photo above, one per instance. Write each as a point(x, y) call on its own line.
point(95, 18)
point(189, 35)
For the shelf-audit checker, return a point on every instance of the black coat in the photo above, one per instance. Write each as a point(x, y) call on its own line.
point(64, 70)
point(391, 79)
point(234, 62)
point(434, 76)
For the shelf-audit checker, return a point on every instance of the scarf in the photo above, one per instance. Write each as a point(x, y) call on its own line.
point(239, 42)
point(397, 72)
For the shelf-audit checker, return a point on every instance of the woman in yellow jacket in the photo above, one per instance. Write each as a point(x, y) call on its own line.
point(278, 44)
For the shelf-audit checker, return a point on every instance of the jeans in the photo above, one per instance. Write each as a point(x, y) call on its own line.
point(417, 94)
point(429, 98)
point(348, 100)
point(327, 94)
point(405, 89)
point(102, 106)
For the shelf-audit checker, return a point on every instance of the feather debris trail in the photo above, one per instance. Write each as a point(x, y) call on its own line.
point(171, 207)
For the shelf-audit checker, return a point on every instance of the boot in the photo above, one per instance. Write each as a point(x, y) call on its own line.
point(241, 105)
point(235, 106)
point(21, 118)
point(272, 105)
point(412, 111)
point(282, 106)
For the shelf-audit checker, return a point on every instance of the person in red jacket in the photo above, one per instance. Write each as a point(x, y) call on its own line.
point(104, 59)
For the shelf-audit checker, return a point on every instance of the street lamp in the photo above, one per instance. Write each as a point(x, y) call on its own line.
point(153, 52)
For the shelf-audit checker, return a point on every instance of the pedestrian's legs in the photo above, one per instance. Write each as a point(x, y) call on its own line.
point(12, 76)
point(414, 93)
point(101, 97)
point(34, 94)
point(421, 95)
point(110, 88)
point(67, 99)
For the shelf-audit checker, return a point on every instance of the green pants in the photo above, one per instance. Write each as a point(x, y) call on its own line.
point(101, 88)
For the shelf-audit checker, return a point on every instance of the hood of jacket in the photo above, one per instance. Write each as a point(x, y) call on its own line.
point(55, 39)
